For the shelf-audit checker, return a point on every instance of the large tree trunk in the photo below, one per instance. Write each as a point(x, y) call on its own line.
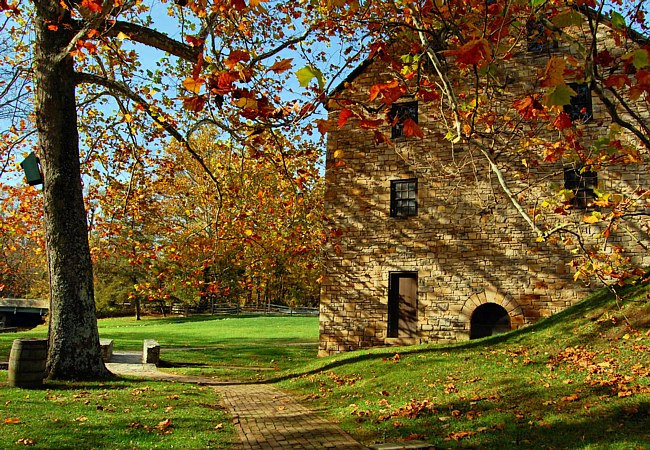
point(74, 351)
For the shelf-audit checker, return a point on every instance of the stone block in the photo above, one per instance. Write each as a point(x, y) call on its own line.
point(150, 352)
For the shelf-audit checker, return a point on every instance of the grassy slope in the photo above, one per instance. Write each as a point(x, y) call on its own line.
point(578, 379)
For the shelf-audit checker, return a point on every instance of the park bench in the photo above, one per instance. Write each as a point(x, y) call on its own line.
point(150, 352)
point(106, 348)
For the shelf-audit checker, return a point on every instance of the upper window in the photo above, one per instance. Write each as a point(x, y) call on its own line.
point(538, 40)
point(399, 112)
point(582, 183)
point(580, 107)
point(403, 198)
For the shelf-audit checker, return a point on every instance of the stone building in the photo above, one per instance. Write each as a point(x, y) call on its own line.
point(426, 246)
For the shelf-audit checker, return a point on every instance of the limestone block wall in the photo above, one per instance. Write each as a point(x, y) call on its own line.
point(467, 243)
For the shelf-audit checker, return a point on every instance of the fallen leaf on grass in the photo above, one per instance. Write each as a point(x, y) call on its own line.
point(24, 442)
point(173, 397)
point(11, 420)
point(164, 424)
point(458, 435)
point(570, 398)
point(80, 419)
point(414, 436)
point(219, 426)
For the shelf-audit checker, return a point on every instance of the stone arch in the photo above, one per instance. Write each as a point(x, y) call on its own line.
point(514, 311)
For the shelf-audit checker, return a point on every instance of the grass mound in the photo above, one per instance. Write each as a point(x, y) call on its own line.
point(578, 379)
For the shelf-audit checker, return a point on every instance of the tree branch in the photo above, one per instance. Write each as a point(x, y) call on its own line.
point(154, 39)
point(120, 88)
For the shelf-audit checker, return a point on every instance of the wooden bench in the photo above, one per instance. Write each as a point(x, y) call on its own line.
point(106, 347)
point(151, 352)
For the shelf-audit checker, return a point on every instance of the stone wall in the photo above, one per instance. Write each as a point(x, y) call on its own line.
point(468, 244)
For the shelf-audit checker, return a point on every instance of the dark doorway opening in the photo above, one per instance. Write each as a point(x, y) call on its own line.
point(402, 304)
point(489, 319)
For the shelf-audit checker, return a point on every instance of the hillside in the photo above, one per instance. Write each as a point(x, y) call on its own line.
point(577, 379)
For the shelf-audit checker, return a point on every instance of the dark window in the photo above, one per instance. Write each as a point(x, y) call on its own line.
point(399, 112)
point(580, 107)
point(404, 198)
point(582, 183)
point(538, 40)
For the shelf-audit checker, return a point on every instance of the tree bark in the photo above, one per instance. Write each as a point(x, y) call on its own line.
point(74, 351)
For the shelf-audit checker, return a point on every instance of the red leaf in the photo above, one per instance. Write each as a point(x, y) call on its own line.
point(197, 67)
point(412, 129)
point(618, 81)
point(195, 103)
point(562, 121)
point(344, 115)
point(194, 41)
point(239, 4)
point(235, 57)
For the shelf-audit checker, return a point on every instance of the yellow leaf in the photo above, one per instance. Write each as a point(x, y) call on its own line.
point(626, 336)
point(193, 85)
point(247, 103)
point(248, 232)
point(121, 36)
point(594, 218)
point(338, 154)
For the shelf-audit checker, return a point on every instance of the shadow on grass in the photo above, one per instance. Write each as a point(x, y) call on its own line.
point(564, 319)
point(519, 422)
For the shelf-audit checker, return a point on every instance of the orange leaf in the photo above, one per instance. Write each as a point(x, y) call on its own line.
point(193, 85)
point(11, 420)
point(368, 124)
point(235, 57)
point(344, 115)
point(412, 129)
point(378, 88)
point(52, 27)
point(323, 126)
point(554, 73)
point(472, 52)
point(93, 5)
point(281, 66)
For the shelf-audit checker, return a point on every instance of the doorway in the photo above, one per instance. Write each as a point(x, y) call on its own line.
point(402, 304)
point(489, 319)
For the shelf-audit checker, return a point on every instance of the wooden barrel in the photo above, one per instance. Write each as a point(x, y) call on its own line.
point(27, 363)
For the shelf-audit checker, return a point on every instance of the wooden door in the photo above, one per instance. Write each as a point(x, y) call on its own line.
point(402, 304)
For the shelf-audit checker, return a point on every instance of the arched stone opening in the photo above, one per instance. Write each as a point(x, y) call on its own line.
point(489, 319)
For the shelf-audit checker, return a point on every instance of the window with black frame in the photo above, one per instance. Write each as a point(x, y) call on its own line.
point(582, 183)
point(537, 38)
point(403, 198)
point(399, 112)
point(580, 107)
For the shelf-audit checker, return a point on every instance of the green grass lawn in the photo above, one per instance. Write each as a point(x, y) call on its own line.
point(579, 379)
point(117, 414)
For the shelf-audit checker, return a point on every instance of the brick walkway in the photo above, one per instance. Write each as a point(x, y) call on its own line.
point(265, 417)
